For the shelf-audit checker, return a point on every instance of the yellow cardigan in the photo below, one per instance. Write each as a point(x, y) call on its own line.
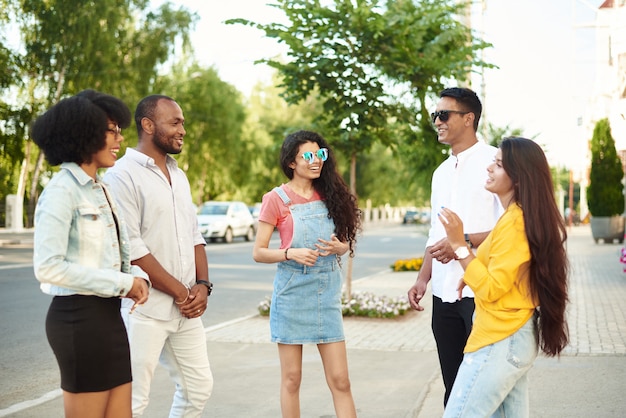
point(499, 277)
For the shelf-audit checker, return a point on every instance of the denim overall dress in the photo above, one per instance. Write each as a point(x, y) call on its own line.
point(306, 301)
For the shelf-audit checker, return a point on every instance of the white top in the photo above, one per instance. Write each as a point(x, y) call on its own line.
point(459, 184)
point(161, 220)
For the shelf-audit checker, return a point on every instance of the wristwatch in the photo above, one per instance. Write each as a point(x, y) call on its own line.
point(468, 241)
point(462, 252)
point(208, 285)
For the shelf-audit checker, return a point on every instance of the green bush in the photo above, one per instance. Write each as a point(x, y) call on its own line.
point(605, 191)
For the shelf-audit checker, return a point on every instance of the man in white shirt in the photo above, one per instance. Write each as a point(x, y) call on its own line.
point(458, 184)
point(165, 241)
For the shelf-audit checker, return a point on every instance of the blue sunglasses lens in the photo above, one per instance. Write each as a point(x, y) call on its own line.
point(321, 154)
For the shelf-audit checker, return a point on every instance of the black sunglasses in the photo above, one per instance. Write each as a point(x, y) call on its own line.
point(444, 115)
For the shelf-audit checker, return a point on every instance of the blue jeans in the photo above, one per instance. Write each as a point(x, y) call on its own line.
point(493, 381)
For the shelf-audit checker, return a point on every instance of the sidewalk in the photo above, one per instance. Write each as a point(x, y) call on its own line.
point(10, 237)
point(393, 363)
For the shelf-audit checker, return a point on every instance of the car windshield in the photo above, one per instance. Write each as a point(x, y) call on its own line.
point(213, 210)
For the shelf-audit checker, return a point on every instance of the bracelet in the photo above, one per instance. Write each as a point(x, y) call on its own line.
point(208, 285)
point(287, 257)
point(180, 303)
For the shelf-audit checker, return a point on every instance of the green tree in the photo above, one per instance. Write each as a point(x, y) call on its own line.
point(115, 46)
point(331, 53)
point(214, 157)
point(495, 134)
point(386, 179)
point(563, 180)
point(270, 120)
point(425, 48)
point(349, 52)
point(360, 57)
point(605, 193)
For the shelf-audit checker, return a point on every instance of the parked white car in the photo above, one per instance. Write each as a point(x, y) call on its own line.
point(225, 221)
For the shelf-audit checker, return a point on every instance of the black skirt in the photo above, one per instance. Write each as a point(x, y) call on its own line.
point(88, 338)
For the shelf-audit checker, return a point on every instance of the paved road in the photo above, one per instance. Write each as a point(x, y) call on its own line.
point(393, 363)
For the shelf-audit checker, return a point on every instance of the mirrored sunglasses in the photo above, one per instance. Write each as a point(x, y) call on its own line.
point(321, 154)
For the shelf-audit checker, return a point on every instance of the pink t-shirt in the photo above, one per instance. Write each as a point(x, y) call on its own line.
point(275, 212)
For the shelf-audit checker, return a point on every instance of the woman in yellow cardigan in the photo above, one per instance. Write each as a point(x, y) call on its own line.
point(519, 277)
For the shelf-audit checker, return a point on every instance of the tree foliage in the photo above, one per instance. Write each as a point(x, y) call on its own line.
point(114, 46)
point(363, 73)
point(426, 48)
point(385, 178)
point(495, 134)
point(65, 46)
point(605, 193)
point(331, 53)
point(270, 120)
point(214, 156)
point(373, 64)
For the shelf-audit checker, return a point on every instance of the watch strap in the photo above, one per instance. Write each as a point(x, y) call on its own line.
point(468, 241)
point(208, 285)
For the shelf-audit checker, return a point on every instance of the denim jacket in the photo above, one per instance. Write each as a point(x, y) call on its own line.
point(77, 250)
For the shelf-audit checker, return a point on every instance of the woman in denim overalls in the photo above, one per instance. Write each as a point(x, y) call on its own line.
point(317, 219)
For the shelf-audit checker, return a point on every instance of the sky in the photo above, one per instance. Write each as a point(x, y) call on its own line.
point(544, 50)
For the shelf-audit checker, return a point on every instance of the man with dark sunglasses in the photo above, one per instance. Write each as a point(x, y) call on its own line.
point(458, 184)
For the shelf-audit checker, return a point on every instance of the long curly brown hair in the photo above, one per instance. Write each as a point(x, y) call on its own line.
point(525, 163)
point(342, 205)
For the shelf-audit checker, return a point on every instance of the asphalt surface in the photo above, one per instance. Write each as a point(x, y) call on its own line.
point(393, 362)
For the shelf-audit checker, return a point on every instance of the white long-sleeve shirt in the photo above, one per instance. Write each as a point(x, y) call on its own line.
point(459, 184)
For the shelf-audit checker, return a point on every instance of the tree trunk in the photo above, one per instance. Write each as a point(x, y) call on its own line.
point(32, 195)
point(351, 259)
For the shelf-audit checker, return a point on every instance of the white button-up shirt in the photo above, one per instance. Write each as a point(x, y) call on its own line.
point(459, 184)
point(161, 221)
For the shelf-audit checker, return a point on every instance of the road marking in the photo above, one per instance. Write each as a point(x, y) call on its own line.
point(29, 404)
point(58, 392)
point(15, 266)
point(227, 323)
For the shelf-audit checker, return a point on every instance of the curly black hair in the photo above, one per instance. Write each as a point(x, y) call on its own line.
point(75, 128)
point(342, 205)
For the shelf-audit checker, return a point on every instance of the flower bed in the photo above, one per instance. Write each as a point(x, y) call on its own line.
point(361, 304)
point(374, 306)
point(410, 264)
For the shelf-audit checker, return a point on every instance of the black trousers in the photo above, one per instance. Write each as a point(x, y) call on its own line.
point(451, 324)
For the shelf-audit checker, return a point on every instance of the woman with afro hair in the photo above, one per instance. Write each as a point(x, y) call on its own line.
point(82, 256)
